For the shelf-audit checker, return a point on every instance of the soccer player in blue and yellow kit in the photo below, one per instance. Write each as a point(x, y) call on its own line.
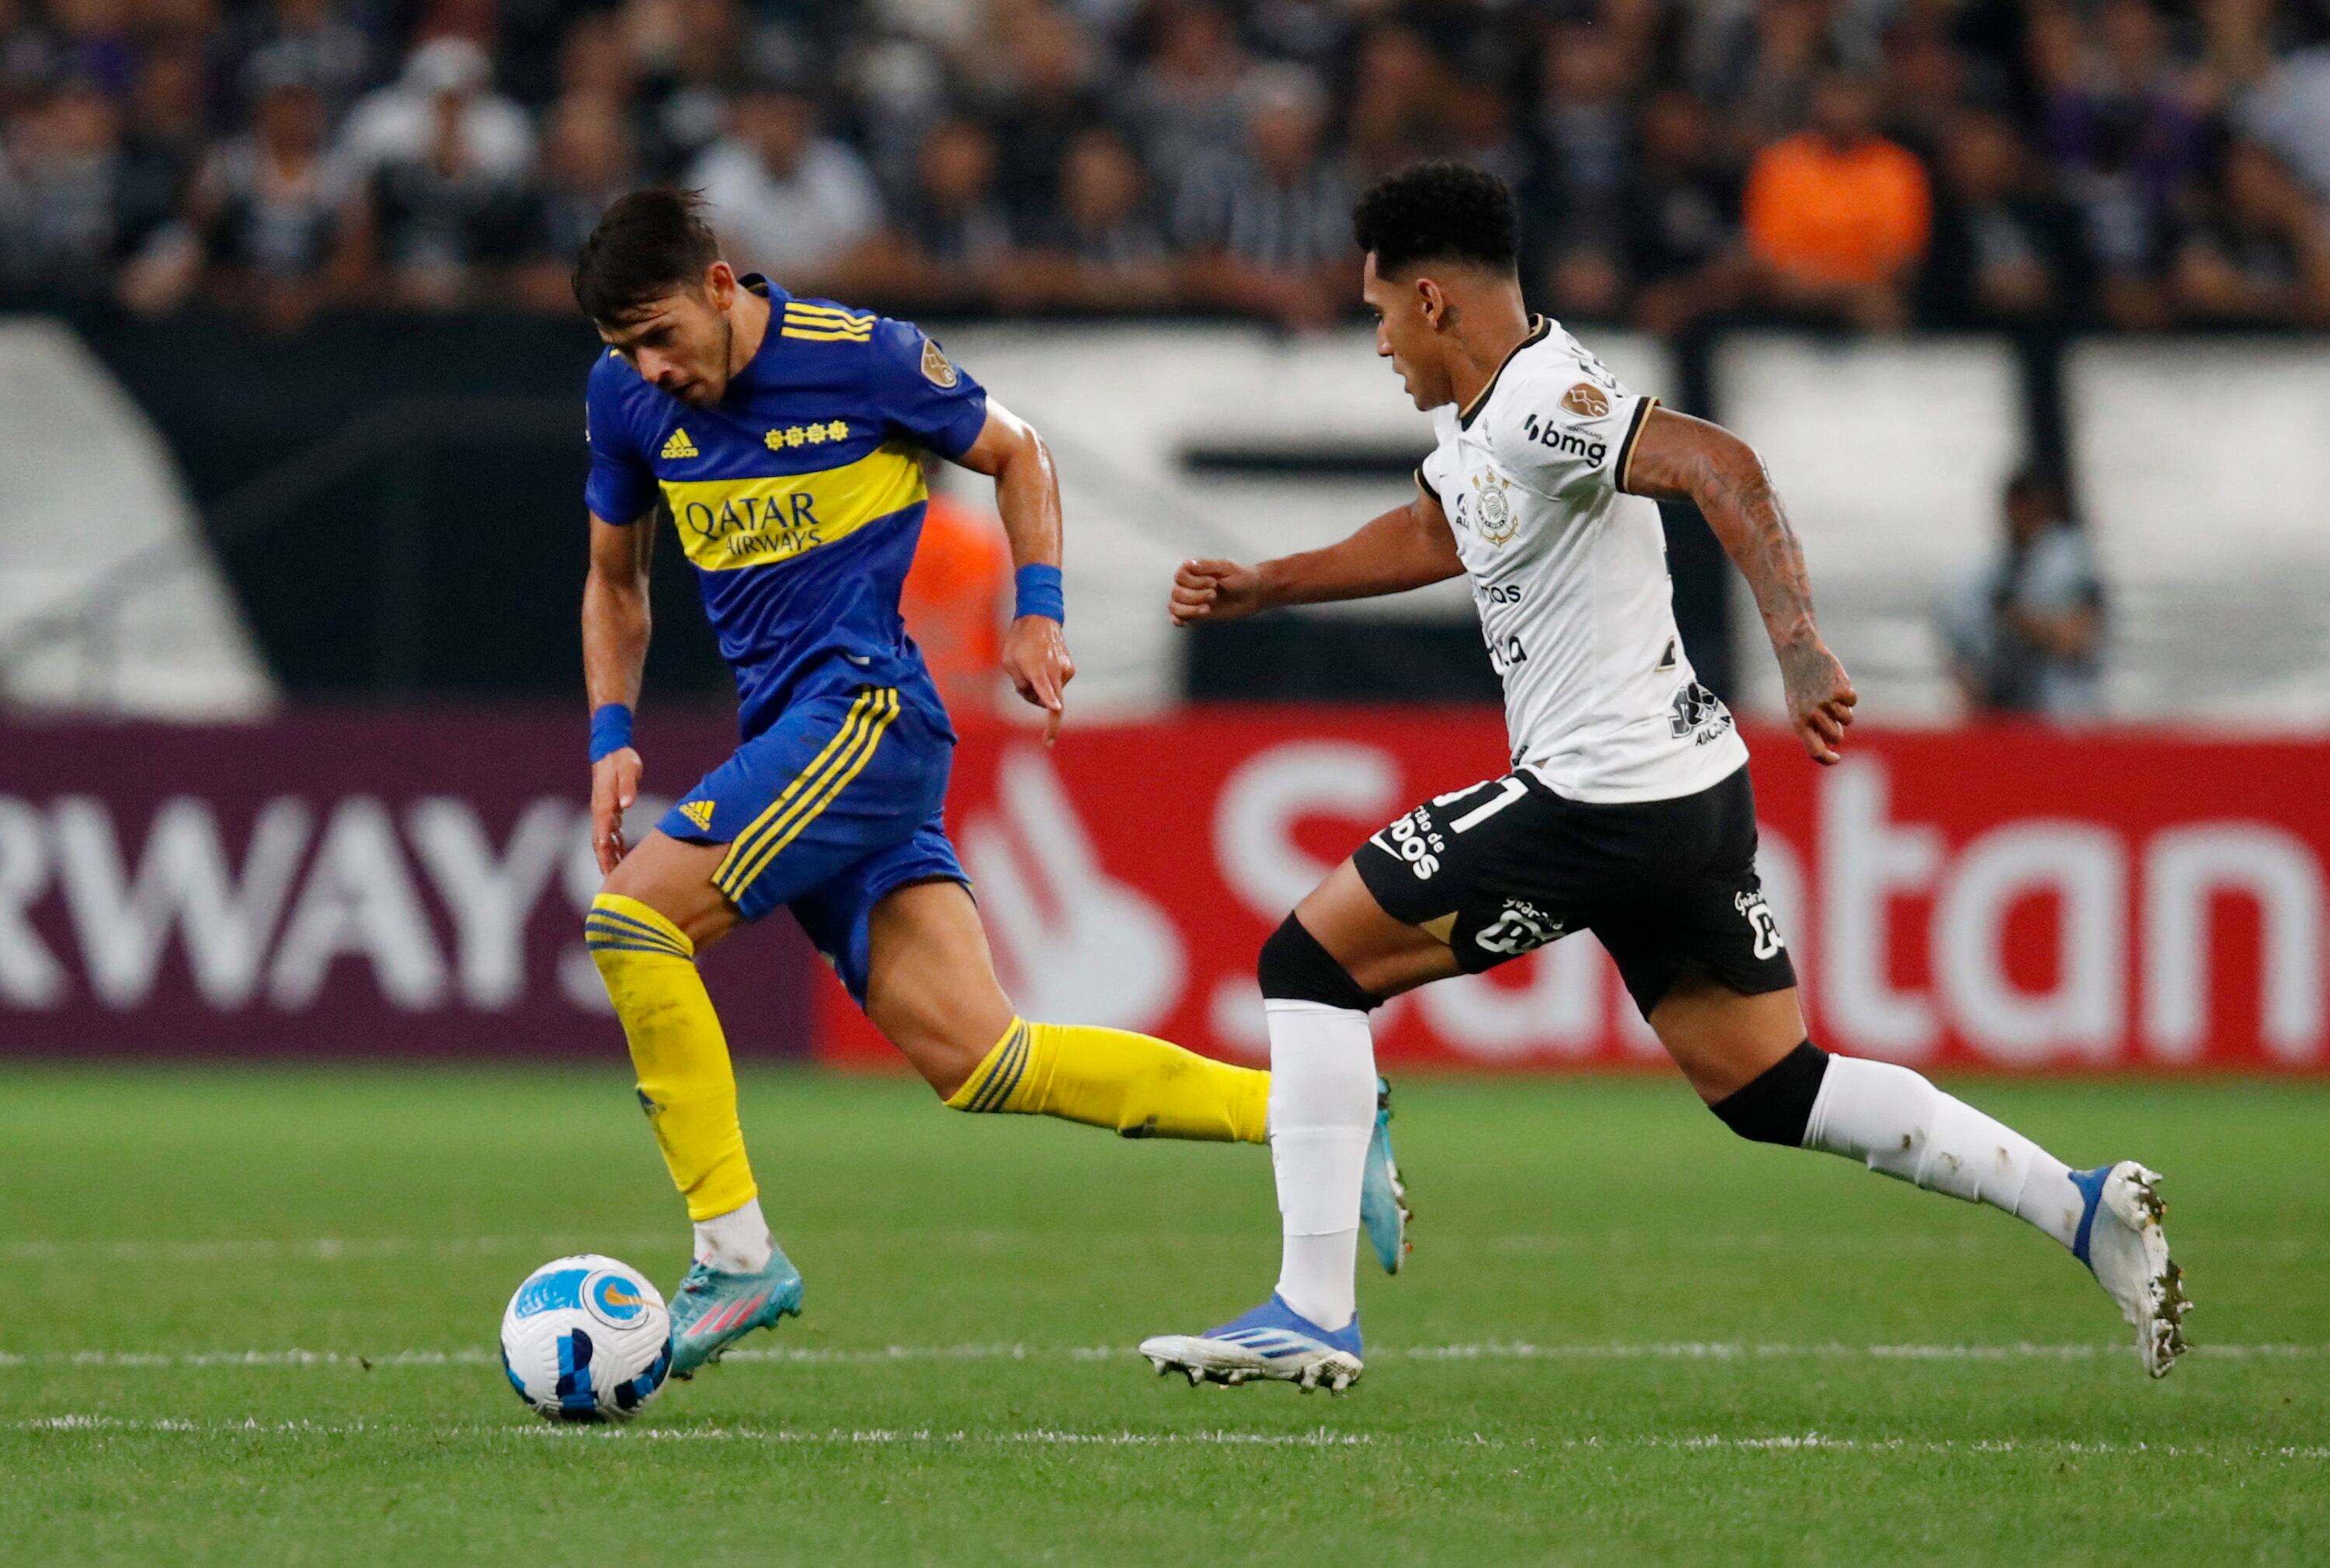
point(783, 440)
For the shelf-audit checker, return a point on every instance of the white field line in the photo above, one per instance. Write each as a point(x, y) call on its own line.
point(1317, 1437)
point(818, 1355)
point(375, 1249)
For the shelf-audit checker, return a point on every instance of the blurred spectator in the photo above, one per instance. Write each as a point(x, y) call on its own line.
point(2289, 112)
point(268, 207)
point(1583, 136)
point(2123, 139)
point(2259, 253)
point(1266, 231)
point(1756, 64)
point(952, 246)
point(1397, 88)
point(693, 55)
point(444, 95)
point(588, 159)
point(2024, 634)
point(292, 40)
point(97, 44)
point(441, 160)
point(1048, 103)
point(1184, 103)
point(1102, 249)
point(952, 601)
point(1681, 211)
point(1110, 154)
point(2004, 248)
point(784, 200)
point(73, 207)
point(1837, 214)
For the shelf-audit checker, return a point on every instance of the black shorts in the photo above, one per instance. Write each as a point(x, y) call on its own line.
point(1664, 884)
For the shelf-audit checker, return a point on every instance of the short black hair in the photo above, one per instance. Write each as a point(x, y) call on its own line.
point(1440, 211)
point(648, 244)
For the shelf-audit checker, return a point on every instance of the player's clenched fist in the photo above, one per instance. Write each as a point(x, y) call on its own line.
point(614, 785)
point(1215, 590)
point(1821, 697)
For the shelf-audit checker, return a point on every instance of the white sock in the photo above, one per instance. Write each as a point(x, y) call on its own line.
point(735, 1242)
point(1903, 1126)
point(1322, 1111)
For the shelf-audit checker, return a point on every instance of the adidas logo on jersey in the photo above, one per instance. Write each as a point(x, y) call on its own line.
point(698, 812)
point(679, 446)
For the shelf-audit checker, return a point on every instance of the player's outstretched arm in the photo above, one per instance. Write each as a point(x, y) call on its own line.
point(1407, 547)
point(1028, 498)
point(1681, 459)
point(615, 627)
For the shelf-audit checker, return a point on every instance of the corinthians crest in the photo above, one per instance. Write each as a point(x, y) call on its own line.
point(1494, 514)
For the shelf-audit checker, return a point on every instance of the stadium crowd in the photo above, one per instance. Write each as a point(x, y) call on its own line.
point(1867, 163)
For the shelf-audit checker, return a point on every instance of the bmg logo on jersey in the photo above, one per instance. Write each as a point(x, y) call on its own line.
point(1760, 920)
point(1521, 927)
point(1415, 841)
point(1568, 442)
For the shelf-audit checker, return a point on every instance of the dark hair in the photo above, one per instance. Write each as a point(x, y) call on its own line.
point(1440, 211)
point(648, 244)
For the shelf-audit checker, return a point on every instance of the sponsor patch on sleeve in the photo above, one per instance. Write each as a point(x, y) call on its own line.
point(1586, 400)
point(937, 369)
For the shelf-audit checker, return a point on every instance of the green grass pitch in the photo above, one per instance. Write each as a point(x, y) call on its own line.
point(249, 1320)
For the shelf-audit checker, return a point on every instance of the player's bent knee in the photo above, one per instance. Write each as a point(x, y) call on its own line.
point(1294, 968)
point(1776, 1105)
point(617, 924)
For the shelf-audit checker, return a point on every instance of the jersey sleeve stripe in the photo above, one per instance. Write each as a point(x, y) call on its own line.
point(1634, 434)
point(830, 312)
point(819, 334)
point(1424, 484)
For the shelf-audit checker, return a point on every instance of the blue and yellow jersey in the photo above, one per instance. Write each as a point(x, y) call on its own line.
point(800, 498)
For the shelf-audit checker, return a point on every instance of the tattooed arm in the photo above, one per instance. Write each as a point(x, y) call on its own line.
point(1681, 459)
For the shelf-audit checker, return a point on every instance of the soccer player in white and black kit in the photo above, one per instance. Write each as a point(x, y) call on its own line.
point(1627, 812)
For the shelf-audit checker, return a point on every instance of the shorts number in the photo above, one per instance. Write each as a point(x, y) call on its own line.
point(1509, 789)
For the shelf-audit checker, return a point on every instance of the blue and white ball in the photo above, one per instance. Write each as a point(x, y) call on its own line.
point(586, 1338)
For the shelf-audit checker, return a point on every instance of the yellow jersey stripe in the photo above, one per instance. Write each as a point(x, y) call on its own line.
point(843, 738)
point(729, 524)
point(847, 768)
point(824, 786)
point(820, 335)
point(833, 312)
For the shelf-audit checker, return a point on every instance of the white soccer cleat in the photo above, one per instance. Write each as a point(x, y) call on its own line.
point(2120, 1240)
point(1274, 1342)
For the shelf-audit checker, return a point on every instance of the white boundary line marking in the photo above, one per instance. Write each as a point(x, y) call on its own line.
point(1623, 1243)
point(819, 1355)
point(1318, 1438)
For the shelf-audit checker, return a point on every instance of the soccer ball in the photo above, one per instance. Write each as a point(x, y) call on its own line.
point(586, 1338)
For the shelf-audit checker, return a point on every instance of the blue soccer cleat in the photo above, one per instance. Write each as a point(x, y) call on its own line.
point(711, 1310)
point(1274, 1342)
point(1383, 1213)
point(2122, 1243)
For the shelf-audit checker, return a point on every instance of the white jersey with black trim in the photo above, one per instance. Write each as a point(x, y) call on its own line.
point(1569, 574)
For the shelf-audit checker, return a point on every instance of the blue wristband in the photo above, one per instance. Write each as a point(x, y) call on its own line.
point(1041, 594)
point(611, 729)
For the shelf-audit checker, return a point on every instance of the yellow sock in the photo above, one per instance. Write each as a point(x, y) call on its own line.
point(678, 1049)
point(1142, 1087)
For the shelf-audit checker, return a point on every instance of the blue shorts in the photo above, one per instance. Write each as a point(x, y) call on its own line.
point(828, 811)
